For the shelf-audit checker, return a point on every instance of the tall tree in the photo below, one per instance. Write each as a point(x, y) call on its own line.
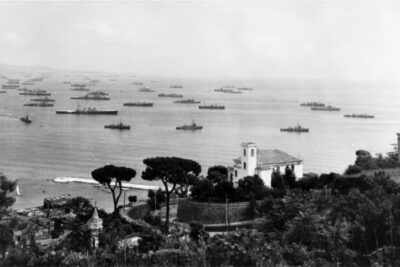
point(172, 172)
point(6, 186)
point(113, 176)
point(251, 187)
point(217, 174)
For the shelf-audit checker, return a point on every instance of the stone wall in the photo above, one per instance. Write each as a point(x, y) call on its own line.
point(212, 213)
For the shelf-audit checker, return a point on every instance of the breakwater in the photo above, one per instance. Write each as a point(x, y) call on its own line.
point(94, 182)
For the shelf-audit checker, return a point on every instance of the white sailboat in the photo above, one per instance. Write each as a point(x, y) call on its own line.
point(17, 190)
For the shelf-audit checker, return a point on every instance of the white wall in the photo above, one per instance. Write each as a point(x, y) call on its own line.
point(266, 174)
point(298, 171)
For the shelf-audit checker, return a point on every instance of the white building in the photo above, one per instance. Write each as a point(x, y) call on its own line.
point(263, 162)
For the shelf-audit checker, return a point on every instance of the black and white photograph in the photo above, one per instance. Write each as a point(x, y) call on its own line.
point(199, 133)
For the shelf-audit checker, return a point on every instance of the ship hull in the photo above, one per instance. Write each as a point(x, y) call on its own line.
point(359, 116)
point(38, 105)
point(325, 109)
point(25, 120)
point(43, 100)
point(138, 105)
point(205, 107)
point(36, 94)
point(90, 98)
point(98, 112)
point(189, 129)
point(117, 127)
point(171, 95)
point(295, 131)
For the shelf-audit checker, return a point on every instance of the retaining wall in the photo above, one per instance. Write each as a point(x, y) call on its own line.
point(212, 213)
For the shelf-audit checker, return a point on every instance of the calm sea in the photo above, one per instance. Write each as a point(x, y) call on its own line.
point(69, 145)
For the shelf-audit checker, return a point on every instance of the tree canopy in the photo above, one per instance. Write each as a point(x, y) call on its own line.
point(172, 172)
point(217, 174)
point(113, 176)
point(6, 187)
point(81, 207)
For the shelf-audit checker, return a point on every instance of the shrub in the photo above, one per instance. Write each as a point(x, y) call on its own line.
point(353, 169)
point(276, 180)
point(132, 198)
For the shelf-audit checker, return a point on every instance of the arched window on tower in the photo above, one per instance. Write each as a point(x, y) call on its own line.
point(252, 152)
point(244, 152)
point(244, 165)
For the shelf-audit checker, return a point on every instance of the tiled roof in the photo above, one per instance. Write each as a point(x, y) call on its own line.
point(95, 218)
point(274, 156)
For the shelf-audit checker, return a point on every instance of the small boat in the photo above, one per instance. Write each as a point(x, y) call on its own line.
point(146, 90)
point(44, 99)
point(192, 127)
point(187, 101)
point(118, 126)
point(41, 104)
point(297, 129)
point(98, 93)
point(80, 89)
point(17, 190)
point(171, 95)
point(227, 91)
point(138, 104)
point(78, 85)
point(176, 86)
point(10, 86)
point(361, 116)
point(26, 119)
point(312, 104)
point(36, 92)
point(245, 89)
point(212, 106)
point(326, 108)
point(91, 96)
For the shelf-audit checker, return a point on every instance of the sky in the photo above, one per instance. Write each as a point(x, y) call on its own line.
point(240, 39)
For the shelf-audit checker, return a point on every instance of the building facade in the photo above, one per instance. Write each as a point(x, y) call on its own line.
point(263, 162)
point(95, 224)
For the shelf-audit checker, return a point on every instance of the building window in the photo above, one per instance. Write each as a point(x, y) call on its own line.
point(244, 152)
point(236, 173)
point(244, 165)
point(252, 152)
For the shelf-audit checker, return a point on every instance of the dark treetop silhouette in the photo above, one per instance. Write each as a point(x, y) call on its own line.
point(112, 176)
point(6, 186)
point(172, 172)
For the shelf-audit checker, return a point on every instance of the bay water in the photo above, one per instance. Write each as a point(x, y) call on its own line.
point(55, 145)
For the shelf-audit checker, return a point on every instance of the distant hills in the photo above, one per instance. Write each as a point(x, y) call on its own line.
point(7, 68)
